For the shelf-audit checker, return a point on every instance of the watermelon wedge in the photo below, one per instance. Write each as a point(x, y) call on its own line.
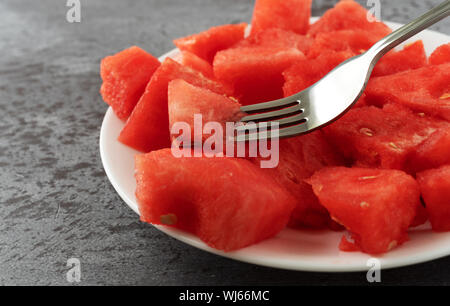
point(356, 41)
point(435, 187)
point(206, 44)
point(348, 15)
point(186, 100)
point(424, 90)
point(441, 55)
point(188, 193)
point(291, 15)
point(255, 73)
point(193, 61)
point(147, 128)
point(299, 158)
point(125, 76)
point(277, 38)
point(412, 56)
point(306, 72)
point(374, 137)
point(376, 206)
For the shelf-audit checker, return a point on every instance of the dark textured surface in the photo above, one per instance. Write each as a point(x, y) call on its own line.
point(56, 202)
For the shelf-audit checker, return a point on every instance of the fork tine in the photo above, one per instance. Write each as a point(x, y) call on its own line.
point(300, 118)
point(266, 106)
point(279, 133)
point(274, 114)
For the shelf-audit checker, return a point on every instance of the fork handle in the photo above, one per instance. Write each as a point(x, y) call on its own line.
point(407, 31)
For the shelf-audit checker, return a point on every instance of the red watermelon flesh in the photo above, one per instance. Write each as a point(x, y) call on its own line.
point(306, 72)
point(291, 15)
point(147, 128)
point(228, 203)
point(299, 158)
point(361, 102)
point(432, 153)
point(412, 56)
point(357, 41)
point(125, 76)
point(185, 100)
point(441, 55)
point(377, 206)
point(374, 137)
point(255, 73)
point(424, 90)
point(435, 187)
point(278, 38)
point(206, 44)
point(348, 15)
point(421, 216)
point(193, 61)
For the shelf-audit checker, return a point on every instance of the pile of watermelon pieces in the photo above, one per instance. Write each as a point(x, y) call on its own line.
point(381, 169)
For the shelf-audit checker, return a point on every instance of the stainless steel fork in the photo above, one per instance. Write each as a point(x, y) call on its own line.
point(332, 96)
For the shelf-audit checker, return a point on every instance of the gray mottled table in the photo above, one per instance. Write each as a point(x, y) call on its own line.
point(55, 200)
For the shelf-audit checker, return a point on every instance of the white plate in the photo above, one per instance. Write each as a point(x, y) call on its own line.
point(291, 249)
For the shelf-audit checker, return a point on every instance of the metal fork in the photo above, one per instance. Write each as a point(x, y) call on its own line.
point(333, 95)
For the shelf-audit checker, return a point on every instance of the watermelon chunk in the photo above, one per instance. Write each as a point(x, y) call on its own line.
point(299, 158)
point(441, 55)
point(228, 203)
point(291, 15)
point(206, 44)
point(412, 56)
point(185, 100)
point(255, 73)
point(377, 206)
point(278, 38)
point(306, 72)
point(348, 15)
point(147, 128)
point(435, 187)
point(374, 137)
point(125, 76)
point(357, 41)
point(432, 153)
point(425, 90)
point(193, 61)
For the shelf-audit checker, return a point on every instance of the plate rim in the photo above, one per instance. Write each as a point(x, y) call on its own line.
point(239, 255)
